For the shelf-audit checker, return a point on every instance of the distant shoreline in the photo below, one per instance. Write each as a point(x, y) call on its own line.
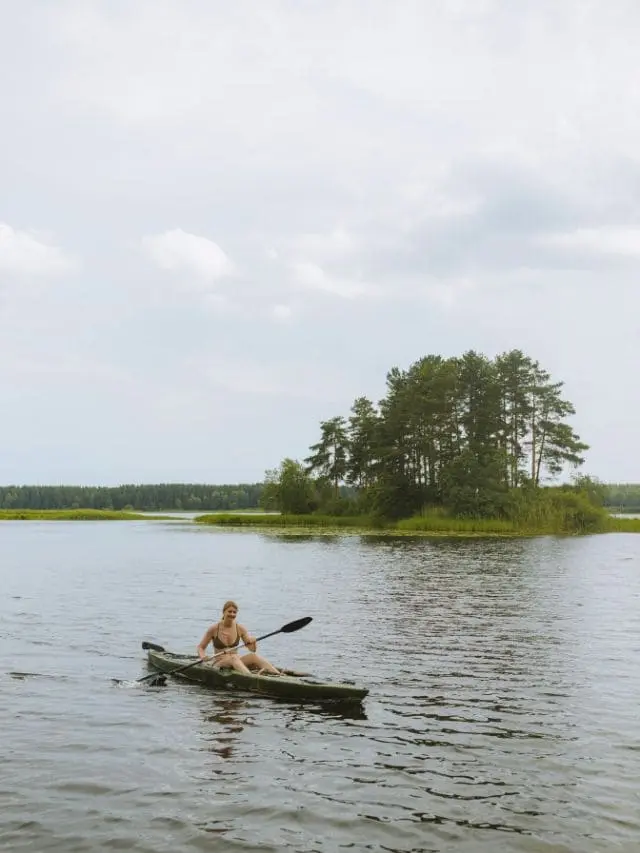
point(319, 524)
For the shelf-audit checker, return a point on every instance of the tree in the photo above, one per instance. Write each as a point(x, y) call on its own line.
point(363, 439)
point(554, 444)
point(289, 489)
point(515, 378)
point(458, 432)
point(594, 489)
point(330, 454)
point(474, 485)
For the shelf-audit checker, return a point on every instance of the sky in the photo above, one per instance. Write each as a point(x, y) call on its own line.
point(220, 223)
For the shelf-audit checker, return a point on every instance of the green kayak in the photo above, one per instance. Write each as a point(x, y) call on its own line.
point(286, 686)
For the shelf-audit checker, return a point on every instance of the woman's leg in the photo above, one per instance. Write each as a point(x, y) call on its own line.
point(234, 661)
point(252, 659)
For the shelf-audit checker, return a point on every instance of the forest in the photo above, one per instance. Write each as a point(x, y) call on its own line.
point(151, 498)
point(623, 497)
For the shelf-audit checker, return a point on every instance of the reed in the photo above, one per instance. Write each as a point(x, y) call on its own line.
point(623, 525)
point(70, 515)
point(277, 520)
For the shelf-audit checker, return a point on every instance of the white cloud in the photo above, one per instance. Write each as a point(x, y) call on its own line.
point(334, 245)
point(448, 294)
point(181, 252)
point(282, 312)
point(23, 254)
point(288, 380)
point(606, 241)
point(313, 277)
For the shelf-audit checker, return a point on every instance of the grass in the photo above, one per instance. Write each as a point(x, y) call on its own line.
point(439, 524)
point(277, 520)
point(70, 515)
point(624, 525)
point(436, 524)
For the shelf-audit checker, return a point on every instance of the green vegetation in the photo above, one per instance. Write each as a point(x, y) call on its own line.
point(464, 444)
point(457, 444)
point(435, 524)
point(624, 525)
point(563, 510)
point(281, 520)
point(150, 498)
point(622, 497)
point(68, 515)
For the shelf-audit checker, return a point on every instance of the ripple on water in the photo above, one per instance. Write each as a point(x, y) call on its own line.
point(504, 682)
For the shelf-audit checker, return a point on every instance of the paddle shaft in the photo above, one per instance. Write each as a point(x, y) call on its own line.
point(286, 629)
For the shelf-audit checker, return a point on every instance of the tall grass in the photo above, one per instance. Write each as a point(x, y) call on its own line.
point(69, 515)
point(442, 524)
point(623, 525)
point(274, 520)
point(543, 512)
point(547, 516)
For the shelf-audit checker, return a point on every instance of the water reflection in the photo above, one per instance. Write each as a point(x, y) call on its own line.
point(333, 710)
point(292, 537)
point(224, 722)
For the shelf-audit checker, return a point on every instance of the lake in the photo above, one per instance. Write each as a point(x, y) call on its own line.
point(503, 712)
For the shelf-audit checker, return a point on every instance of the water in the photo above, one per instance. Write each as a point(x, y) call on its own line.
point(503, 713)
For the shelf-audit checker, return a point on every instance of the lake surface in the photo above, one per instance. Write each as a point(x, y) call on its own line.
point(504, 711)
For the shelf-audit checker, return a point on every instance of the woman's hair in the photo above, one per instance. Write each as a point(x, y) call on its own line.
point(229, 604)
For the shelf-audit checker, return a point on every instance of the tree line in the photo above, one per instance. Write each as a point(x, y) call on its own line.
point(468, 434)
point(624, 497)
point(163, 496)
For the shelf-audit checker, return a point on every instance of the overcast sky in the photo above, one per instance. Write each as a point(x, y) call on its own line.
point(220, 222)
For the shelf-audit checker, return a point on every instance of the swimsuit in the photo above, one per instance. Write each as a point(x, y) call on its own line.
point(218, 644)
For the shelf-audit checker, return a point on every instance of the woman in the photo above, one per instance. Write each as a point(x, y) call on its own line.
point(226, 636)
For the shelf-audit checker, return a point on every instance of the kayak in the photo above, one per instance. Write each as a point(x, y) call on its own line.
point(286, 686)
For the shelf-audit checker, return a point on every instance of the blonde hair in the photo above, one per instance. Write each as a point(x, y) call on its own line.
point(228, 604)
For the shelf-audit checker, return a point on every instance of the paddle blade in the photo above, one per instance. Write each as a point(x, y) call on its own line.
point(147, 645)
point(295, 626)
point(157, 680)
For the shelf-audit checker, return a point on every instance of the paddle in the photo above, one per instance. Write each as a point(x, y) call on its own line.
point(289, 628)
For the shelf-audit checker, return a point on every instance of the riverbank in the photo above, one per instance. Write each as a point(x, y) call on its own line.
point(419, 525)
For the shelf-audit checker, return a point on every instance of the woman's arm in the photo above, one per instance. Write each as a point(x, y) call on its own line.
point(247, 638)
point(204, 642)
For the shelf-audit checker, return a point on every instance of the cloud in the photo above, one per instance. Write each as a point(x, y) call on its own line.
point(448, 294)
point(335, 245)
point(286, 380)
point(606, 241)
point(180, 252)
point(467, 194)
point(310, 276)
point(282, 312)
point(23, 254)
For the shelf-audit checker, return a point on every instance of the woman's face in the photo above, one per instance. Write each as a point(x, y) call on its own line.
point(230, 613)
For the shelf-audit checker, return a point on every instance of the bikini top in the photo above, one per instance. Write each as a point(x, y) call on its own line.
point(218, 644)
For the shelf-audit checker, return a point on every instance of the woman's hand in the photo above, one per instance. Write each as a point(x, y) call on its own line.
point(250, 642)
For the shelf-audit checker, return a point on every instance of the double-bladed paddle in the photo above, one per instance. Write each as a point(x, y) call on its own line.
point(160, 679)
